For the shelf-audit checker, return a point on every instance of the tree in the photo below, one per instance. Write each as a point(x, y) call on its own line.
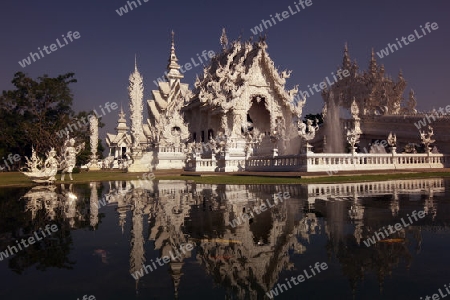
point(35, 114)
point(31, 114)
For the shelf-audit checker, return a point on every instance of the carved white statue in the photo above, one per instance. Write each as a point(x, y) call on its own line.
point(426, 138)
point(69, 154)
point(353, 138)
point(392, 140)
point(307, 131)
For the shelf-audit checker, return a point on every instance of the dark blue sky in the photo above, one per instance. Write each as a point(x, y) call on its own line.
point(310, 43)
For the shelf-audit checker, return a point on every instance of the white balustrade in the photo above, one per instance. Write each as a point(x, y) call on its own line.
point(205, 165)
point(328, 162)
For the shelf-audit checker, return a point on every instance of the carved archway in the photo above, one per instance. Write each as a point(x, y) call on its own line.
point(259, 114)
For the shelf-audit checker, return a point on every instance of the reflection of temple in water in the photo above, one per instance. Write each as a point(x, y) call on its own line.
point(57, 201)
point(247, 260)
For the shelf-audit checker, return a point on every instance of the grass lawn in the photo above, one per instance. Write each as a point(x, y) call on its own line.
point(18, 179)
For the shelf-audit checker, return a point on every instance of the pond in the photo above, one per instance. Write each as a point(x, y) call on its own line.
point(177, 239)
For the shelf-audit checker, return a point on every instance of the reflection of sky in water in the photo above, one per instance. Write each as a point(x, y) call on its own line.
point(110, 229)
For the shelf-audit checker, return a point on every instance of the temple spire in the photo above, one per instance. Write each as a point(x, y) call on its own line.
point(224, 39)
point(346, 63)
point(373, 63)
point(135, 95)
point(122, 116)
point(173, 67)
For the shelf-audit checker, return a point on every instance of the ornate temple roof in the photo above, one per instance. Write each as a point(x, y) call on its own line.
point(167, 102)
point(170, 94)
point(122, 136)
point(238, 66)
point(374, 92)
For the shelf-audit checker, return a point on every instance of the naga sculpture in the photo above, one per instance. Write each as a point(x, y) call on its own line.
point(45, 174)
point(35, 163)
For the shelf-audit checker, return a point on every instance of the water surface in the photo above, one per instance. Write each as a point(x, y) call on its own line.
point(108, 231)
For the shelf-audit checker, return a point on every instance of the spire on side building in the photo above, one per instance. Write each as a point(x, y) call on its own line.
point(173, 67)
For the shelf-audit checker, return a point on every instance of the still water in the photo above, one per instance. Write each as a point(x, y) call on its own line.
point(310, 241)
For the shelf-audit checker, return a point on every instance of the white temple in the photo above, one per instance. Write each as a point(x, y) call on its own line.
point(119, 143)
point(241, 117)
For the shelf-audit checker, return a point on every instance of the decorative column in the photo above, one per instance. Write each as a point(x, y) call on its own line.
point(136, 94)
point(355, 115)
point(93, 127)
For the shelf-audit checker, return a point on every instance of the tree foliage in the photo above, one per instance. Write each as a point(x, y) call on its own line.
point(35, 111)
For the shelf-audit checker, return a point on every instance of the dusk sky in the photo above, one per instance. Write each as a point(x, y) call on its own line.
point(309, 42)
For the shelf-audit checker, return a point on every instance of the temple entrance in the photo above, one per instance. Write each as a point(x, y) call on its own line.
point(258, 120)
point(259, 116)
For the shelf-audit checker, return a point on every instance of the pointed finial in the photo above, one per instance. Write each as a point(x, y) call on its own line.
point(346, 63)
point(173, 40)
point(372, 55)
point(173, 67)
point(224, 39)
point(373, 63)
point(121, 114)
